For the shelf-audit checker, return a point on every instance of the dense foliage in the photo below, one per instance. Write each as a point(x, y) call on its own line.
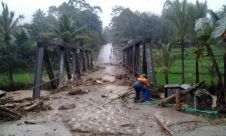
point(73, 22)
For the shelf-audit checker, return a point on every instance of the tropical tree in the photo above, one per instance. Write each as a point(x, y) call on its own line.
point(204, 28)
point(176, 12)
point(164, 59)
point(8, 23)
point(199, 10)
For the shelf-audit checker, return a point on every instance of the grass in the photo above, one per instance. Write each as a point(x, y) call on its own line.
point(204, 66)
point(26, 78)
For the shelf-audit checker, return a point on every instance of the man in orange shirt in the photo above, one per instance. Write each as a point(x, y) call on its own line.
point(142, 84)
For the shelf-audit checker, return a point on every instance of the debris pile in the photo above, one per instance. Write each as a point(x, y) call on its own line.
point(94, 118)
point(14, 109)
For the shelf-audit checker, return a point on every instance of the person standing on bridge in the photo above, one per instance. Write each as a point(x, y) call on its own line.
point(141, 85)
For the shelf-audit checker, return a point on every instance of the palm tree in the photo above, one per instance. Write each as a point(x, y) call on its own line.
point(164, 59)
point(67, 31)
point(204, 29)
point(8, 23)
point(199, 10)
point(176, 12)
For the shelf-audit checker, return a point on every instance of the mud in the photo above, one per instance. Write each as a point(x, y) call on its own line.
point(92, 114)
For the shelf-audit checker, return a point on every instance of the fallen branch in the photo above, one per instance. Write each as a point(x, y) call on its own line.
point(184, 92)
point(9, 113)
point(34, 106)
point(163, 126)
point(121, 96)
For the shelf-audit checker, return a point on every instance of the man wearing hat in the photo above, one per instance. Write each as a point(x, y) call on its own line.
point(141, 85)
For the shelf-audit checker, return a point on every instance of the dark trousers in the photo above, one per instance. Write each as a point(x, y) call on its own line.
point(139, 87)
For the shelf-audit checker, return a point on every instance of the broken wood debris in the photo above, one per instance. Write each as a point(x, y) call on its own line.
point(183, 93)
point(14, 109)
point(122, 96)
point(163, 126)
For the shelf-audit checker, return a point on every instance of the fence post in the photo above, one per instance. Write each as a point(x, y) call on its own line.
point(38, 70)
point(62, 54)
point(74, 62)
point(134, 58)
point(144, 62)
point(77, 63)
point(149, 59)
point(49, 69)
point(67, 67)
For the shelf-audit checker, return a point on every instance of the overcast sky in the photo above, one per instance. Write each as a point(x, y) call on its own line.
point(28, 7)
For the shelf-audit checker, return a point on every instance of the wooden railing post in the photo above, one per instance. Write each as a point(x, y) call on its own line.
point(74, 62)
point(77, 63)
point(144, 62)
point(38, 71)
point(149, 59)
point(83, 61)
point(49, 69)
point(91, 59)
point(62, 54)
point(133, 58)
point(67, 67)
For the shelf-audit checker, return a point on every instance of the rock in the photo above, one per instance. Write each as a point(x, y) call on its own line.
point(77, 91)
point(66, 107)
point(2, 93)
point(99, 82)
point(45, 98)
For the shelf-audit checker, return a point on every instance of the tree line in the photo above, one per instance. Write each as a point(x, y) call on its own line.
point(74, 21)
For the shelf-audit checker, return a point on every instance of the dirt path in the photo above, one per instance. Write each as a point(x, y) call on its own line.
point(93, 116)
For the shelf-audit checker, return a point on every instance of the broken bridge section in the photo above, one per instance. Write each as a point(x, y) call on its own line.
point(81, 60)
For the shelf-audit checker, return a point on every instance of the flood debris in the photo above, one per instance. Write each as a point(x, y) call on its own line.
point(163, 126)
point(183, 93)
point(11, 109)
point(66, 107)
point(77, 91)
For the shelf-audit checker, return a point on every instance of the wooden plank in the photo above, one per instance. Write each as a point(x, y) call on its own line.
point(38, 71)
point(62, 51)
point(49, 69)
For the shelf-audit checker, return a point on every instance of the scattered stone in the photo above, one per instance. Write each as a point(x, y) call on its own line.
point(66, 107)
point(77, 91)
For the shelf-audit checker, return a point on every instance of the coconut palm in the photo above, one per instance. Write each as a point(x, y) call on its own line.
point(8, 23)
point(176, 12)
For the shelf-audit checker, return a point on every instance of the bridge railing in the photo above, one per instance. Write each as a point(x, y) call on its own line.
point(137, 58)
point(81, 61)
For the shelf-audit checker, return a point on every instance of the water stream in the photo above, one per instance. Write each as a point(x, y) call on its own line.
point(106, 53)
